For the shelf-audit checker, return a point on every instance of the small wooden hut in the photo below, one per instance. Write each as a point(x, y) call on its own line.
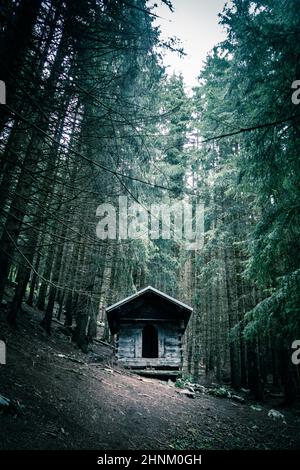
point(149, 326)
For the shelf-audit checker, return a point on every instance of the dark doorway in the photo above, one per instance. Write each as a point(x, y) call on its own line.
point(150, 341)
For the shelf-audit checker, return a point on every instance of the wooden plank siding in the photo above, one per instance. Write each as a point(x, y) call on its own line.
point(129, 345)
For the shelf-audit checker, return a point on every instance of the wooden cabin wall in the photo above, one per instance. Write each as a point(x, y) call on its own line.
point(129, 344)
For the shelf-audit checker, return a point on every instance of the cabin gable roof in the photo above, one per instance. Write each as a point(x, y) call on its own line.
point(167, 307)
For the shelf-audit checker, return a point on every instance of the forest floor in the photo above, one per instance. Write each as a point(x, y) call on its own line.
point(71, 400)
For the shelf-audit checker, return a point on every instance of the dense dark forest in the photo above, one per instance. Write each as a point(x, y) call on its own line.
point(91, 114)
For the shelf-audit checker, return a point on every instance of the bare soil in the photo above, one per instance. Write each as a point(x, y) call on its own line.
point(72, 400)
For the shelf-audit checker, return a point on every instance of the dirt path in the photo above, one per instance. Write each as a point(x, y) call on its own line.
point(88, 403)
